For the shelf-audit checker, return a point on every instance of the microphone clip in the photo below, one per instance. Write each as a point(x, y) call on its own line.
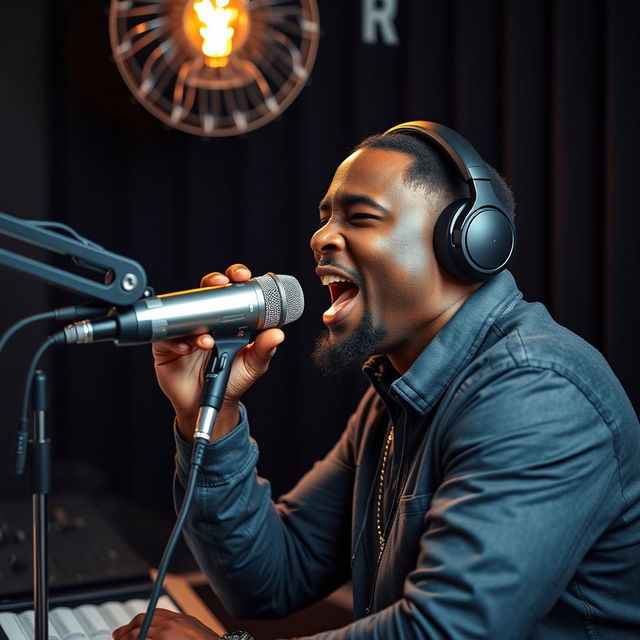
point(216, 378)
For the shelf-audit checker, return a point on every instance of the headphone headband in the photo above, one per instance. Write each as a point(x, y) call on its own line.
point(467, 159)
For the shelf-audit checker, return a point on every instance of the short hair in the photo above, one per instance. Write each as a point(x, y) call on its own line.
point(433, 169)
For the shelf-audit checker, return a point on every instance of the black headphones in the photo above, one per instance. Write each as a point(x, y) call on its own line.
point(474, 237)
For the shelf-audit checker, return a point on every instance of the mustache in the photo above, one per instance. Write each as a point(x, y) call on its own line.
point(353, 275)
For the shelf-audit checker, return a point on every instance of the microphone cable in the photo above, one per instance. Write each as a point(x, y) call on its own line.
point(214, 385)
point(195, 465)
point(65, 314)
point(14, 328)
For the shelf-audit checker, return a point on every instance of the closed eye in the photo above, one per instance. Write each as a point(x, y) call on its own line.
point(364, 216)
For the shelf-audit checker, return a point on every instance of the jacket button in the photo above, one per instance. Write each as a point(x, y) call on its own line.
point(367, 610)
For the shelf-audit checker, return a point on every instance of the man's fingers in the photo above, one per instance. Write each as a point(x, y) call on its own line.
point(203, 341)
point(238, 273)
point(179, 347)
point(259, 354)
point(214, 279)
point(132, 633)
point(121, 632)
point(131, 629)
point(185, 345)
point(266, 341)
point(167, 625)
point(235, 273)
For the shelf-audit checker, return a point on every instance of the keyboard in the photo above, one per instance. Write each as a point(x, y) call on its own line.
point(83, 622)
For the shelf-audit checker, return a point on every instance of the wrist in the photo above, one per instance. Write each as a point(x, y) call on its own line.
point(186, 424)
point(227, 419)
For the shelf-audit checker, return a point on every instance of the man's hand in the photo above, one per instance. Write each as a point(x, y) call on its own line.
point(166, 625)
point(180, 365)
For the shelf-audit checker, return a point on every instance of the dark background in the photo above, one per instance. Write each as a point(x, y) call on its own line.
point(546, 91)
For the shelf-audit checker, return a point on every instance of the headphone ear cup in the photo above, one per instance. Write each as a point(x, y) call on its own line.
point(443, 240)
point(473, 245)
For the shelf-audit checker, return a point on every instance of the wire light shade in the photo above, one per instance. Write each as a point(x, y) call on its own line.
point(214, 67)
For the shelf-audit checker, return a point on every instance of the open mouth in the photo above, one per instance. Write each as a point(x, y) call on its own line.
point(343, 293)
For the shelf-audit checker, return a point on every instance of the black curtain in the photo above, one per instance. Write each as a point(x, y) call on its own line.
point(546, 91)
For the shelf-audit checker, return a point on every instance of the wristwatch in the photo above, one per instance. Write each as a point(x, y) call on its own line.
point(237, 635)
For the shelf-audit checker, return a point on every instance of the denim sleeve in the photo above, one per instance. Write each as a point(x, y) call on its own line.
point(267, 559)
point(529, 482)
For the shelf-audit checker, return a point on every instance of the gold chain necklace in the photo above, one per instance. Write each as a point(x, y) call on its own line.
point(385, 455)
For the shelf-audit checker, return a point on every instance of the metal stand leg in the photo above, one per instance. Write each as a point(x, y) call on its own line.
point(41, 481)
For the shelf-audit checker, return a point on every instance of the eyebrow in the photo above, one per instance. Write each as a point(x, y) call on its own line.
point(349, 199)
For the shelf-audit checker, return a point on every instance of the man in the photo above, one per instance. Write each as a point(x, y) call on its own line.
point(486, 487)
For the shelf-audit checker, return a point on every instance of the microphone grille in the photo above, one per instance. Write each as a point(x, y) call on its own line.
point(294, 298)
point(272, 303)
point(284, 300)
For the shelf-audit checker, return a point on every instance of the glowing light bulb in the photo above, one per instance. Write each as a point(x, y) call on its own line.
point(217, 28)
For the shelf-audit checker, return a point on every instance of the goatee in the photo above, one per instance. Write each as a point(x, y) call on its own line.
point(334, 357)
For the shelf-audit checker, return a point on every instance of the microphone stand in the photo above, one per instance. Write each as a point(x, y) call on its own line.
point(125, 282)
point(41, 485)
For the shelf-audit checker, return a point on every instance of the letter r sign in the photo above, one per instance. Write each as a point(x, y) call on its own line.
point(378, 21)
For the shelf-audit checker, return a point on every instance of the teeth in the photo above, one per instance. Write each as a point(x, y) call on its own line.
point(331, 279)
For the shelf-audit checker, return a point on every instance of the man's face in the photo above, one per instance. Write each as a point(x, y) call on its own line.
point(376, 232)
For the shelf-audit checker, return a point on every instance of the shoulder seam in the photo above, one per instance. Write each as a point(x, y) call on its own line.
point(521, 356)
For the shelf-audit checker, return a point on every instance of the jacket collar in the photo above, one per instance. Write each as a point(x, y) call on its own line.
point(453, 347)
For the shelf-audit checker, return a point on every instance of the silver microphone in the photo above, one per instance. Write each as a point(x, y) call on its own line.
point(260, 303)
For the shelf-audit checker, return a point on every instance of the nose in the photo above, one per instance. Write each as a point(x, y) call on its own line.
point(327, 238)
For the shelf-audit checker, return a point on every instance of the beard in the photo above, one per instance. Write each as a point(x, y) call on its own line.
point(334, 357)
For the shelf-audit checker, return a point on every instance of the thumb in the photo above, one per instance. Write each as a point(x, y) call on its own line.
point(252, 362)
point(257, 357)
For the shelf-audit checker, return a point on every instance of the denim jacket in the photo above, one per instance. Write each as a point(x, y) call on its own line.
point(518, 515)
